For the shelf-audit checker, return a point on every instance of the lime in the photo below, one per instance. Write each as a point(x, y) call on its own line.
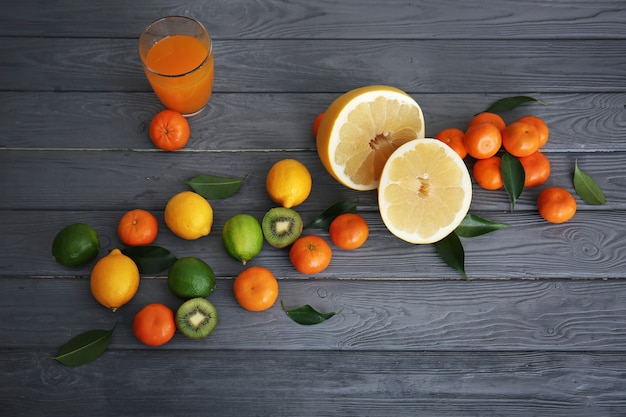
point(190, 277)
point(242, 237)
point(76, 245)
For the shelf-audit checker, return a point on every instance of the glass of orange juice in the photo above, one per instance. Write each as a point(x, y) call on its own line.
point(177, 57)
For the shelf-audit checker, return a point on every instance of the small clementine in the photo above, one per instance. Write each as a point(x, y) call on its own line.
point(138, 227)
point(537, 169)
point(348, 231)
point(316, 123)
point(541, 126)
point(256, 288)
point(154, 324)
point(487, 173)
point(454, 138)
point(482, 140)
point(520, 139)
point(169, 130)
point(310, 254)
point(556, 205)
point(488, 117)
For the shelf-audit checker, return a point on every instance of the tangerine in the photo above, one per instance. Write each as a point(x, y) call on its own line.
point(537, 168)
point(520, 139)
point(316, 123)
point(556, 205)
point(541, 126)
point(488, 117)
point(482, 140)
point(454, 138)
point(310, 254)
point(487, 173)
point(154, 324)
point(349, 231)
point(169, 130)
point(256, 288)
point(138, 227)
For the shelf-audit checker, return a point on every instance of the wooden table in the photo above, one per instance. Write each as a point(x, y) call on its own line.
point(540, 328)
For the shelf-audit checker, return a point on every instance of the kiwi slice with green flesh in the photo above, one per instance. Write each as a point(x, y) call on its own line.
point(196, 318)
point(281, 226)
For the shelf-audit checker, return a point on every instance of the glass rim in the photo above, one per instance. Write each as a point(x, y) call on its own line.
point(161, 19)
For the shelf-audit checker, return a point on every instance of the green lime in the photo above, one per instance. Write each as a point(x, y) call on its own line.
point(190, 277)
point(242, 237)
point(76, 245)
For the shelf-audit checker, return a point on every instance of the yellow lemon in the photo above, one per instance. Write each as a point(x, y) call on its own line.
point(288, 183)
point(361, 128)
point(425, 191)
point(114, 280)
point(189, 215)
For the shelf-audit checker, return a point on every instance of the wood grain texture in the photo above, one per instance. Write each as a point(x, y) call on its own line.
point(364, 19)
point(281, 66)
point(480, 316)
point(247, 121)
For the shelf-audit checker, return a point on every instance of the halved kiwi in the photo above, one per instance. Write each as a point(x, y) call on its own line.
point(281, 226)
point(196, 318)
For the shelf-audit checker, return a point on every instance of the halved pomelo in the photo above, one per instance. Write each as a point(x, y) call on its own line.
point(425, 191)
point(362, 128)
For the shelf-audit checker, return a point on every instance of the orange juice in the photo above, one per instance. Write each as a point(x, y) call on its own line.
point(180, 70)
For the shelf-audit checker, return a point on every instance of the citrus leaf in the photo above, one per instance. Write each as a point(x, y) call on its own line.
point(214, 187)
point(513, 176)
point(509, 103)
point(84, 347)
point(323, 220)
point(450, 249)
point(307, 315)
point(150, 259)
point(587, 188)
point(473, 225)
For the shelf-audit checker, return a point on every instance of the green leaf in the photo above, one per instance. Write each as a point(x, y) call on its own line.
point(450, 249)
point(150, 259)
point(513, 176)
point(323, 220)
point(307, 315)
point(214, 187)
point(84, 347)
point(473, 225)
point(509, 103)
point(587, 188)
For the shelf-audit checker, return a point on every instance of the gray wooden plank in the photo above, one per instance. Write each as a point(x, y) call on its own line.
point(366, 19)
point(246, 121)
point(589, 246)
point(65, 64)
point(373, 315)
point(238, 383)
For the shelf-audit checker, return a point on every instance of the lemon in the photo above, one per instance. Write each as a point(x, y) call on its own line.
point(288, 183)
point(114, 280)
point(76, 245)
point(425, 191)
point(190, 277)
point(362, 128)
point(242, 237)
point(189, 215)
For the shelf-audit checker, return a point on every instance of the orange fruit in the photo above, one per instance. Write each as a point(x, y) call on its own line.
point(316, 123)
point(169, 130)
point(487, 117)
point(454, 138)
point(310, 254)
point(348, 231)
point(154, 324)
point(487, 173)
point(541, 126)
point(537, 169)
point(482, 140)
point(520, 139)
point(556, 205)
point(256, 288)
point(137, 227)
